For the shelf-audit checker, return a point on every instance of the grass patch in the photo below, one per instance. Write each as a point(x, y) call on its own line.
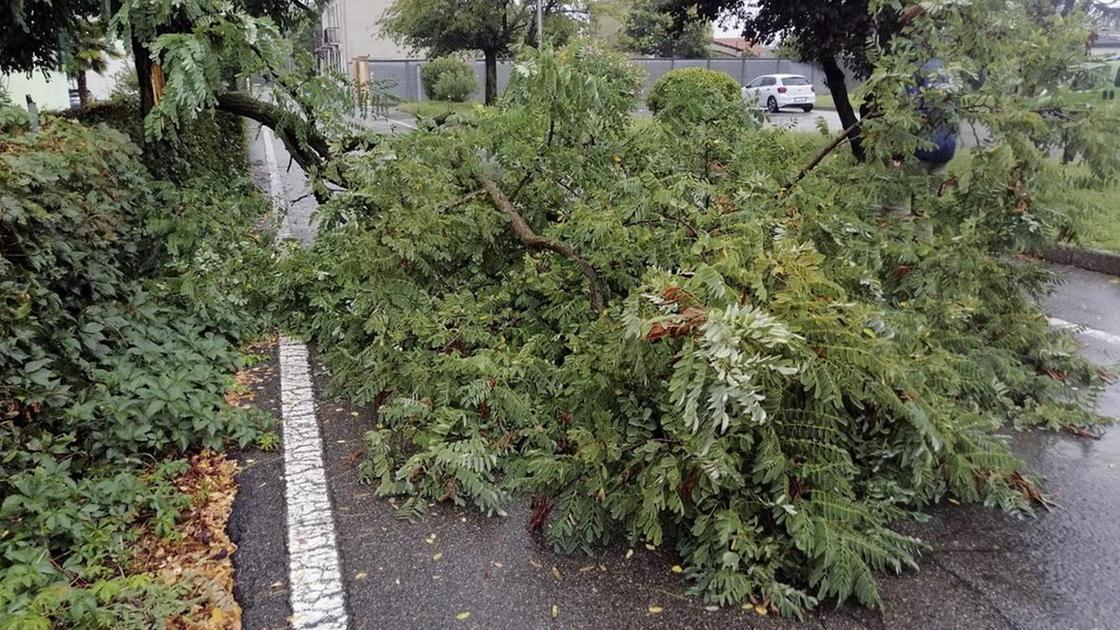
point(1099, 225)
point(824, 98)
point(431, 109)
point(1094, 209)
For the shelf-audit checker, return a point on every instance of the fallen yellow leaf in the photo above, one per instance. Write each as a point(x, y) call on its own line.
point(555, 611)
point(463, 615)
point(556, 573)
point(677, 569)
point(437, 556)
point(655, 610)
point(760, 609)
point(629, 552)
point(360, 574)
point(650, 547)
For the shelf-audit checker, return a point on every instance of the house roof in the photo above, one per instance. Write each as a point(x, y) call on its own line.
point(737, 44)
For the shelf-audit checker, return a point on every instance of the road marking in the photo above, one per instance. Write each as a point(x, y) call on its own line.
point(316, 594)
point(402, 123)
point(275, 185)
point(1080, 329)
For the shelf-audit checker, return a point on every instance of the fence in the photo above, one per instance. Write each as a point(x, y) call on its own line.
point(403, 75)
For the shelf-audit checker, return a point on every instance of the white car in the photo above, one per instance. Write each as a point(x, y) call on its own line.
point(775, 91)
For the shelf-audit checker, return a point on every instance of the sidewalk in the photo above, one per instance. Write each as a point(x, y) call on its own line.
point(986, 569)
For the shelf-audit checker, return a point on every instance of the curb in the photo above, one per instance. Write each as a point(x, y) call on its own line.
point(1090, 259)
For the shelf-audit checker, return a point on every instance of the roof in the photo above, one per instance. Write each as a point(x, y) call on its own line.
point(738, 44)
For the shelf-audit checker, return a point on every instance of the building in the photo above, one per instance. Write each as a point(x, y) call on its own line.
point(350, 31)
point(734, 47)
point(53, 90)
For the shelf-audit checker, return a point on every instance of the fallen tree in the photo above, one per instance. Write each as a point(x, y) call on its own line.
point(768, 376)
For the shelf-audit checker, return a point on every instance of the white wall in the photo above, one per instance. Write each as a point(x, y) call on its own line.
point(101, 85)
point(358, 32)
point(49, 91)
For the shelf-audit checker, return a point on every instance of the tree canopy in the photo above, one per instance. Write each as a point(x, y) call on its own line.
point(650, 30)
point(33, 33)
point(844, 37)
point(439, 27)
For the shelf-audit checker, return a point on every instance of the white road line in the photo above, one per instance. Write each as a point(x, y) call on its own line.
point(316, 594)
point(1093, 333)
point(394, 121)
point(275, 185)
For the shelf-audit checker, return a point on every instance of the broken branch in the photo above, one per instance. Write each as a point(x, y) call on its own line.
point(534, 241)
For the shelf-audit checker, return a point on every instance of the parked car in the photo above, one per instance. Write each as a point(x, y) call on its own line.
point(775, 91)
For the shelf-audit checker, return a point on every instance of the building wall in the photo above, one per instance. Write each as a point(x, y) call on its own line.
point(49, 91)
point(101, 85)
point(355, 27)
point(52, 91)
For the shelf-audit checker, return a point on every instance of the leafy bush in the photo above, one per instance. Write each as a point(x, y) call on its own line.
point(211, 145)
point(693, 94)
point(664, 333)
point(448, 79)
point(107, 360)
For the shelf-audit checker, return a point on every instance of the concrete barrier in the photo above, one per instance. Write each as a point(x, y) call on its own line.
point(1090, 259)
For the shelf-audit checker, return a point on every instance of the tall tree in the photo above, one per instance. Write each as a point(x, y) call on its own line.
point(831, 33)
point(442, 27)
point(650, 30)
point(839, 34)
point(88, 50)
point(30, 31)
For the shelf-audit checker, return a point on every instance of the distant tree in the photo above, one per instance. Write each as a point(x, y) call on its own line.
point(88, 50)
point(788, 48)
point(831, 33)
point(31, 31)
point(38, 34)
point(651, 29)
point(838, 34)
point(442, 27)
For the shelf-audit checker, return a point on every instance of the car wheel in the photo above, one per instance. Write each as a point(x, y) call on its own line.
point(807, 108)
point(772, 105)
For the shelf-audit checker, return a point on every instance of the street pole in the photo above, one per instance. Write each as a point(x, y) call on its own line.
point(540, 24)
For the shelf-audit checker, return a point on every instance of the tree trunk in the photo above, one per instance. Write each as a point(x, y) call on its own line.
point(83, 88)
point(834, 78)
point(142, 60)
point(491, 75)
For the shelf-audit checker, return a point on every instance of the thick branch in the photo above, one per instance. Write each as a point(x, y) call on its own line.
point(312, 153)
point(829, 148)
point(532, 240)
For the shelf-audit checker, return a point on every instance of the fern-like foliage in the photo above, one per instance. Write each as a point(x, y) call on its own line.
point(773, 376)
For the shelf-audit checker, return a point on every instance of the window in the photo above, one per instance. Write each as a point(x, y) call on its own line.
point(768, 81)
point(755, 83)
point(795, 81)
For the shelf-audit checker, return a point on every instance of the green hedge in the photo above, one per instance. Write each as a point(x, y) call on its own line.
point(448, 79)
point(692, 94)
point(212, 144)
point(121, 314)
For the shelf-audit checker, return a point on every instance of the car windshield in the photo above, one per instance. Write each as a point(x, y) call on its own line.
point(795, 81)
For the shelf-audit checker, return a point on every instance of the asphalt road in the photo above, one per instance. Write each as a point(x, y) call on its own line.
point(985, 570)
